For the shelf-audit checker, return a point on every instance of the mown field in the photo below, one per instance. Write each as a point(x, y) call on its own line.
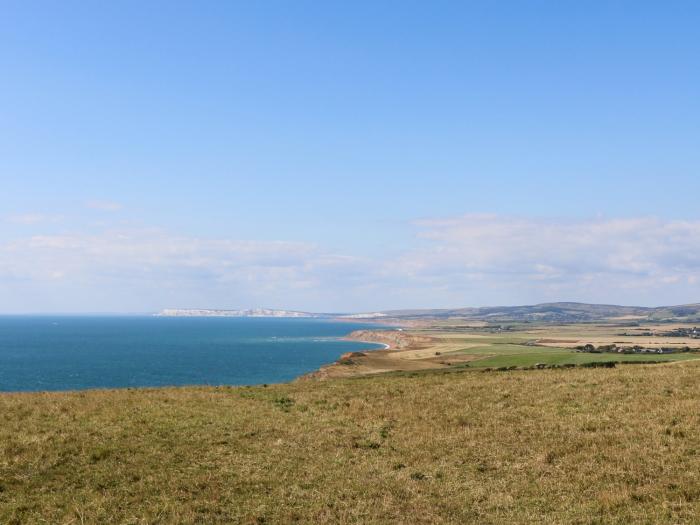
point(564, 357)
point(576, 445)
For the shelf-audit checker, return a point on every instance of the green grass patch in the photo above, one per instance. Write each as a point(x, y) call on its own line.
point(508, 349)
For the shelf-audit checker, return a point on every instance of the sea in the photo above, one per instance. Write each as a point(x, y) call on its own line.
point(46, 353)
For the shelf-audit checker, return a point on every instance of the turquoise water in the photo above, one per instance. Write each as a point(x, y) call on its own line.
point(69, 353)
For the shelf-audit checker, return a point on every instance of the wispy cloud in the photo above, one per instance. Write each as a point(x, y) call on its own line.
point(104, 205)
point(172, 269)
point(467, 260)
point(30, 219)
point(585, 258)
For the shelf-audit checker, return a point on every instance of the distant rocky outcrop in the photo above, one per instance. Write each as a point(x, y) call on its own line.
point(395, 339)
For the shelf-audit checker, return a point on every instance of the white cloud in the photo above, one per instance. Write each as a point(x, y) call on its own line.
point(468, 260)
point(585, 258)
point(173, 269)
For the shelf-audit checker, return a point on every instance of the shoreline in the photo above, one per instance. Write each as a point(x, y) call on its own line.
point(414, 350)
point(399, 354)
point(386, 346)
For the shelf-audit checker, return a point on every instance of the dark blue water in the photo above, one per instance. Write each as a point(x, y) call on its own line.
point(67, 353)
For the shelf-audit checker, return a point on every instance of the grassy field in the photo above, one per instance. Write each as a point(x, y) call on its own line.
point(527, 345)
point(563, 357)
point(545, 446)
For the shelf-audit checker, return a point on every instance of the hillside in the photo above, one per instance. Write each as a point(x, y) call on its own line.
point(577, 445)
point(557, 312)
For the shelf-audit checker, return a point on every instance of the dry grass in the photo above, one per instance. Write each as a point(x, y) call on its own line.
point(552, 446)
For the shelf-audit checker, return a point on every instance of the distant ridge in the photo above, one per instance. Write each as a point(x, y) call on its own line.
point(557, 312)
point(544, 312)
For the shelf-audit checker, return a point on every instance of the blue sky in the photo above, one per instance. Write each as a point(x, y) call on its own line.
point(347, 155)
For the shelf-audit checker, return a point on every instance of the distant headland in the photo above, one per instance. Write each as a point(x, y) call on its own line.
point(545, 312)
point(260, 312)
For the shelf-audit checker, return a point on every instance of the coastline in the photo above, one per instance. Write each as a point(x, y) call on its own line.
point(385, 345)
point(403, 351)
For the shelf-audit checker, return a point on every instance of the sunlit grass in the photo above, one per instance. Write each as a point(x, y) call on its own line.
point(558, 357)
point(552, 446)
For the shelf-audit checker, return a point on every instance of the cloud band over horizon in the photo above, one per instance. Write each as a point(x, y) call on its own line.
point(470, 260)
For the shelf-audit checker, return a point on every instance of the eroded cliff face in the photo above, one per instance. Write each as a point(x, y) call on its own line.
point(396, 339)
point(376, 361)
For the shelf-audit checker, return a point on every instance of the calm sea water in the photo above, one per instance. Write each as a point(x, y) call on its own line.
point(67, 353)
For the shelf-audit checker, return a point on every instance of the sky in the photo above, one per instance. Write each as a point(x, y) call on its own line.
point(347, 156)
